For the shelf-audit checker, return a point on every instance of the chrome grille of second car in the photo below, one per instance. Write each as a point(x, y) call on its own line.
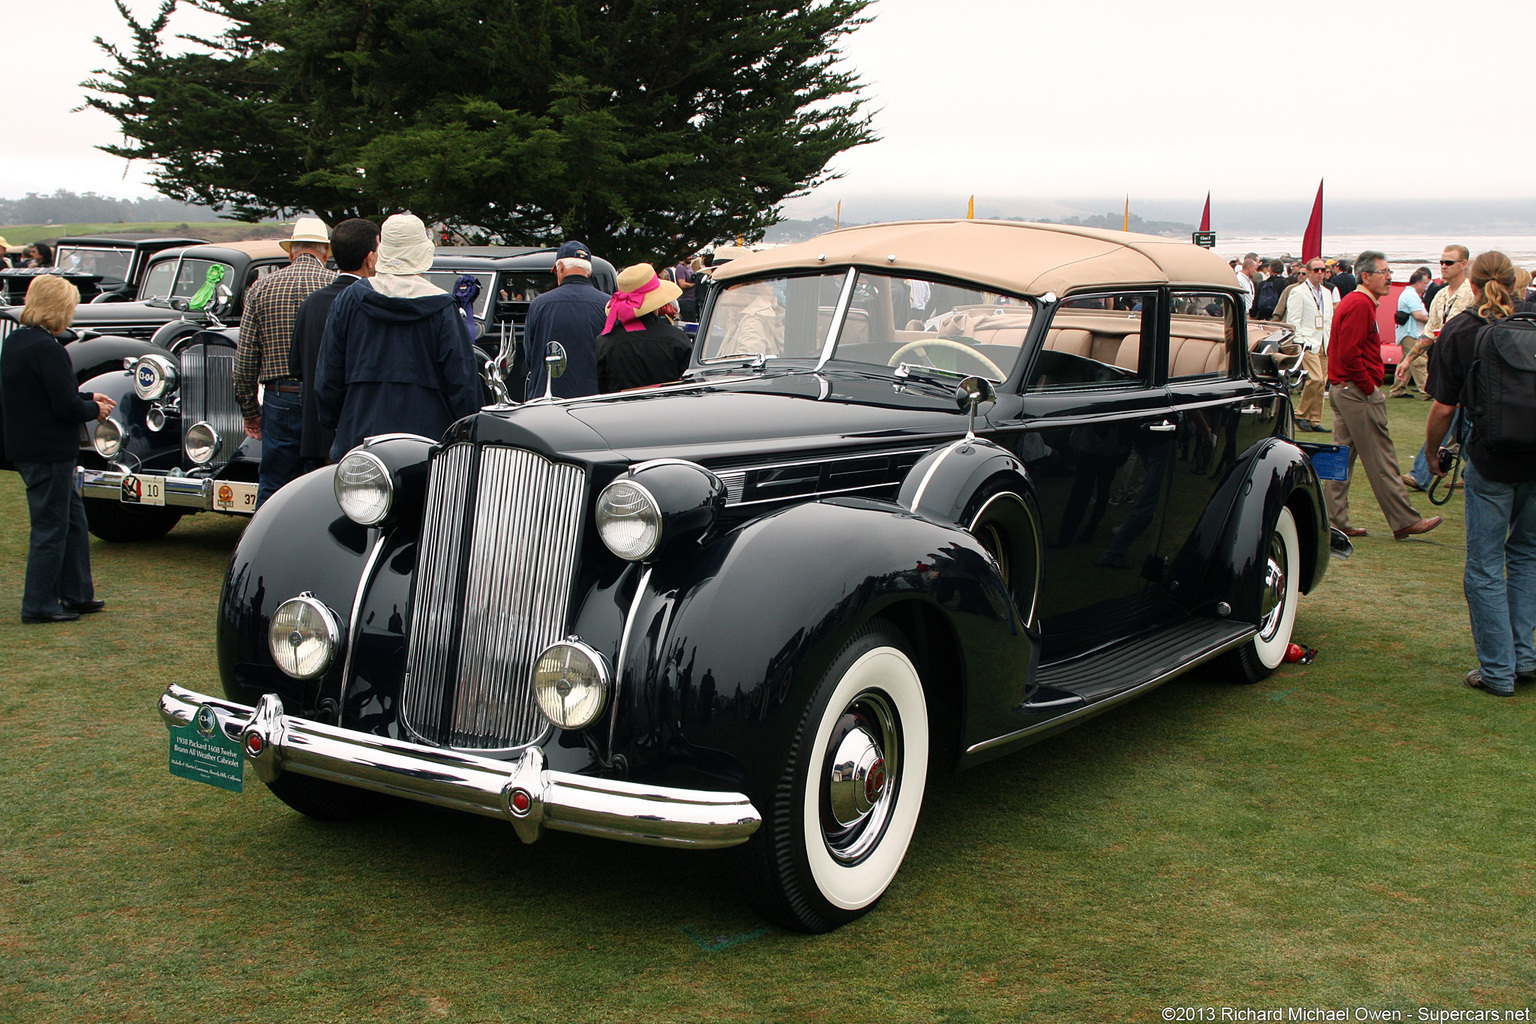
point(491, 594)
point(208, 393)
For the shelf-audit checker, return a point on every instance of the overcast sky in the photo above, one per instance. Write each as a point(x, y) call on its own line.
point(1041, 102)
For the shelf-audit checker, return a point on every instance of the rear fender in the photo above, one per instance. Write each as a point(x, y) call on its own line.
point(1235, 554)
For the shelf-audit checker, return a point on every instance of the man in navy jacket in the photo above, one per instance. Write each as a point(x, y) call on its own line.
point(572, 314)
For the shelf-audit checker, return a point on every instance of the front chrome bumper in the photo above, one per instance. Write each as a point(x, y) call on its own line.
point(179, 491)
point(524, 792)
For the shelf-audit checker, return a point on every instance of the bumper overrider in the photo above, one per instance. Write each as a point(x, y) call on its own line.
point(178, 491)
point(523, 791)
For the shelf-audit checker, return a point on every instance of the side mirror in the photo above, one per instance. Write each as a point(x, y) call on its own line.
point(180, 305)
point(554, 366)
point(970, 394)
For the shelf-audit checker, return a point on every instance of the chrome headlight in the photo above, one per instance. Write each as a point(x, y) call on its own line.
point(203, 442)
point(107, 438)
point(363, 487)
point(154, 377)
point(663, 502)
point(628, 520)
point(303, 637)
point(571, 684)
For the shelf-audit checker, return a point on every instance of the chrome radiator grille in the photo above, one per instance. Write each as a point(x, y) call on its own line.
point(491, 597)
point(208, 393)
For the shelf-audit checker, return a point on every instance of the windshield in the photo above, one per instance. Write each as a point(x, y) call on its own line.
point(200, 282)
point(111, 265)
point(889, 321)
point(446, 279)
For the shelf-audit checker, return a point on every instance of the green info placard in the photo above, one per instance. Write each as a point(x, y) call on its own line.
point(201, 751)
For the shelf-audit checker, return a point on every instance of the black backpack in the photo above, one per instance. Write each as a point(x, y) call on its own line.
point(1500, 391)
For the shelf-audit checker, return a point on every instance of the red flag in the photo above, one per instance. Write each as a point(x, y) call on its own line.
point(1312, 241)
point(1205, 218)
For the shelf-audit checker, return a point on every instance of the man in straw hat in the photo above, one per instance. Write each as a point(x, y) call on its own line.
point(572, 314)
point(396, 354)
point(266, 335)
point(639, 346)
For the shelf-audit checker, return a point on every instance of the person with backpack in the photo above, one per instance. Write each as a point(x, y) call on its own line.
point(1485, 364)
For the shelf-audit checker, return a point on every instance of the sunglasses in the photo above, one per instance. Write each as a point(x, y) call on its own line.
point(1450, 263)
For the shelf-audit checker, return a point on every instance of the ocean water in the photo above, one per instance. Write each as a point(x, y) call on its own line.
point(1404, 252)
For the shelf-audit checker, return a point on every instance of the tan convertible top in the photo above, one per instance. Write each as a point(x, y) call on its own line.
point(1009, 256)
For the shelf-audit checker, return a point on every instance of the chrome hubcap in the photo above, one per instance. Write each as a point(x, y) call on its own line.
point(1272, 602)
point(859, 778)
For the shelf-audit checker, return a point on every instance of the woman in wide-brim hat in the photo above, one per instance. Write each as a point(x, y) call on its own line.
point(639, 346)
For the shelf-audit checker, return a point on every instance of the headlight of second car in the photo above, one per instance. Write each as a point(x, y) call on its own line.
point(154, 377)
point(363, 487)
point(202, 443)
point(303, 637)
point(107, 438)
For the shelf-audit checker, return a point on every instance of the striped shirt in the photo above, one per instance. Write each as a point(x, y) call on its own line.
point(266, 326)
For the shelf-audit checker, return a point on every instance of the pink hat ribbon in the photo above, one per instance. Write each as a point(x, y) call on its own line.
point(626, 306)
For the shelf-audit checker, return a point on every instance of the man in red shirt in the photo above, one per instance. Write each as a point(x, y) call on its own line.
point(1355, 375)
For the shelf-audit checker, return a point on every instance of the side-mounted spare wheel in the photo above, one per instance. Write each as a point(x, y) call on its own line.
point(845, 803)
point(1280, 573)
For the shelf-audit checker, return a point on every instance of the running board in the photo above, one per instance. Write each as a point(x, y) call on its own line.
point(1069, 691)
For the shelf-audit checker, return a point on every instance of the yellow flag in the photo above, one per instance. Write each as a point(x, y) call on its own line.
point(970, 213)
point(739, 242)
point(1127, 213)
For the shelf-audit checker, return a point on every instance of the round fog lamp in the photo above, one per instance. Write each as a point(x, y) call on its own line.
point(154, 377)
point(202, 442)
point(571, 684)
point(363, 488)
point(107, 439)
point(628, 520)
point(302, 637)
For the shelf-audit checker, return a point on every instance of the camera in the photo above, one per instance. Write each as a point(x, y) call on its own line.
point(1448, 455)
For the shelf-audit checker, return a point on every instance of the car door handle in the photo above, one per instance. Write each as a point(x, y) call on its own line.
point(1164, 427)
point(1251, 410)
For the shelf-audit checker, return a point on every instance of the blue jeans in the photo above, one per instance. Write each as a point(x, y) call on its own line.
point(282, 431)
point(1420, 471)
point(1500, 579)
point(59, 558)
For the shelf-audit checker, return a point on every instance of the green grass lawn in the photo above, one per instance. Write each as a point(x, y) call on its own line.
point(1352, 833)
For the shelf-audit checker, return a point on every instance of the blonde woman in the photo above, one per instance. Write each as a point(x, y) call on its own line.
point(1500, 574)
point(43, 413)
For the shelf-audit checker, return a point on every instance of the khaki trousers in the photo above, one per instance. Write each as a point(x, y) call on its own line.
point(1418, 371)
point(1361, 422)
point(1311, 405)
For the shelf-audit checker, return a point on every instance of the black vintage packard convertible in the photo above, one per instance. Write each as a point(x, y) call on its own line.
point(928, 493)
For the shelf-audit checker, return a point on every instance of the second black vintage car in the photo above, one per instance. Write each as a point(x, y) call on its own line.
point(107, 268)
point(176, 442)
point(929, 493)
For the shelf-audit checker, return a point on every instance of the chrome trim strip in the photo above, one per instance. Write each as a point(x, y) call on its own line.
point(523, 791)
point(1109, 702)
point(813, 495)
point(873, 454)
point(917, 499)
point(355, 625)
point(618, 668)
point(839, 314)
point(1029, 512)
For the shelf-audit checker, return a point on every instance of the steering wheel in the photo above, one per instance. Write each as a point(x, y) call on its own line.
point(959, 346)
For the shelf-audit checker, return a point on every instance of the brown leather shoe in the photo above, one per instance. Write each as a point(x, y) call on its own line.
point(1353, 531)
point(1422, 526)
point(1410, 483)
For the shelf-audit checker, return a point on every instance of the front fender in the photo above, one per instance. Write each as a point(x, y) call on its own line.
point(298, 541)
point(105, 354)
point(724, 644)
